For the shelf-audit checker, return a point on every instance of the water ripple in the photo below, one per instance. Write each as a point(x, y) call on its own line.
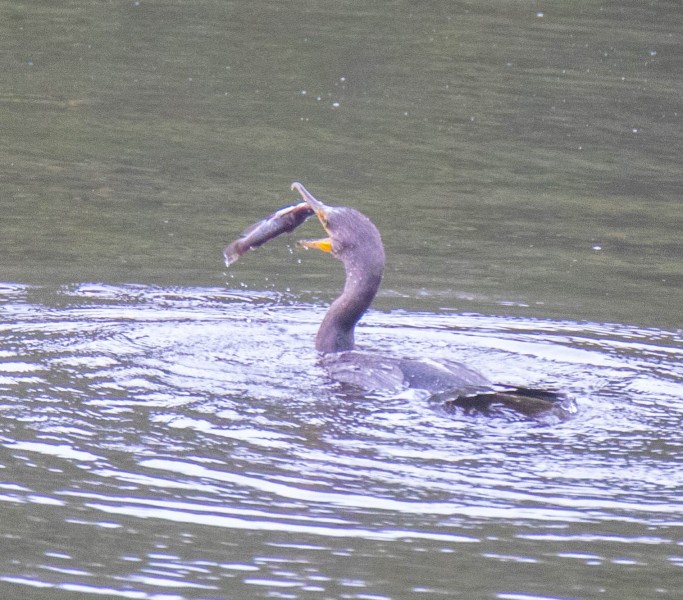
point(129, 412)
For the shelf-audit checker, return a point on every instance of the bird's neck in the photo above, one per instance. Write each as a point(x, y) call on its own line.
point(336, 333)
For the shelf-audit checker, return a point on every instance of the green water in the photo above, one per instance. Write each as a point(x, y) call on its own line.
point(523, 163)
point(495, 145)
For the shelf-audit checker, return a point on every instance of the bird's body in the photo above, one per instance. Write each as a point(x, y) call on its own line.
point(354, 240)
point(375, 371)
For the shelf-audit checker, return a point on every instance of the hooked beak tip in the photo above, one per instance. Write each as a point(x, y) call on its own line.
point(313, 202)
point(320, 208)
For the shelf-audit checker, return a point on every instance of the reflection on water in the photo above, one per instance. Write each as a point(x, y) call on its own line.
point(179, 443)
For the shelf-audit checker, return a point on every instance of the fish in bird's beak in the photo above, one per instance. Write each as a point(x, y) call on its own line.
point(321, 210)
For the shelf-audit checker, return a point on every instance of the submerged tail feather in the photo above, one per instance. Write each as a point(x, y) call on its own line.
point(531, 402)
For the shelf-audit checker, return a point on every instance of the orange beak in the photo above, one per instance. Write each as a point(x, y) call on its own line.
point(324, 244)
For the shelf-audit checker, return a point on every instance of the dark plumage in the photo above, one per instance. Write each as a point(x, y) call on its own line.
point(356, 242)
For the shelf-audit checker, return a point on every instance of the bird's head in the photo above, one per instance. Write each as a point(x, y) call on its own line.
point(352, 237)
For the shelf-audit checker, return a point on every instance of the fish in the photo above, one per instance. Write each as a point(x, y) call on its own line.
point(283, 220)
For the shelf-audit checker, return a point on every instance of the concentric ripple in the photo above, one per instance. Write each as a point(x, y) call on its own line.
point(191, 437)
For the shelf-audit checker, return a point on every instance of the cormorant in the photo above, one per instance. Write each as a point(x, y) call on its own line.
point(354, 240)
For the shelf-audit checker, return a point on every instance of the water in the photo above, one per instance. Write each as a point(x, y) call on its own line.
point(165, 429)
point(182, 443)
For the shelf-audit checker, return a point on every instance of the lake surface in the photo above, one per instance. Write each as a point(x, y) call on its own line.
point(166, 431)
